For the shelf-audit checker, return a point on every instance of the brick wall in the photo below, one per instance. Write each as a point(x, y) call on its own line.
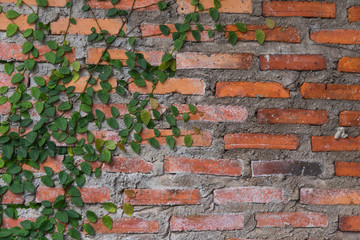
point(267, 165)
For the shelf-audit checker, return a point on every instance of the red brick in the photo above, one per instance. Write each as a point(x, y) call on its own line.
point(83, 26)
point(193, 60)
point(164, 197)
point(292, 116)
point(148, 30)
point(354, 14)
point(250, 89)
point(12, 198)
point(51, 3)
point(10, 223)
point(106, 109)
point(227, 6)
point(206, 223)
point(5, 80)
point(203, 139)
point(293, 219)
point(349, 224)
point(349, 118)
point(349, 64)
point(293, 62)
point(329, 143)
point(287, 168)
point(54, 163)
point(88, 194)
point(249, 195)
point(128, 225)
point(94, 55)
point(297, 8)
point(5, 108)
point(278, 34)
point(330, 196)
point(340, 36)
point(261, 141)
point(125, 4)
point(81, 83)
point(16, 52)
point(351, 169)
point(224, 167)
point(330, 91)
point(186, 86)
point(125, 165)
point(20, 21)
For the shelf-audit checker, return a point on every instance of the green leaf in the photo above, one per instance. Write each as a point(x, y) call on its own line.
point(32, 18)
point(107, 221)
point(17, 78)
point(103, 96)
point(153, 142)
point(99, 115)
point(91, 216)
point(76, 65)
point(47, 180)
point(111, 12)
point(162, 5)
point(61, 123)
point(178, 44)
point(188, 140)
point(217, 4)
point(50, 57)
point(39, 35)
point(135, 147)
point(52, 45)
point(62, 216)
point(196, 35)
point(140, 82)
point(27, 32)
point(39, 106)
point(171, 120)
point(75, 234)
point(170, 140)
point(29, 64)
point(9, 68)
point(11, 29)
point(89, 229)
point(64, 106)
point(110, 207)
point(233, 37)
point(164, 29)
point(42, 3)
point(105, 156)
point(214, 14)
point(241, 27)
point(260, 36)
point(192, 108)
point(128, 209)
point(86, 168)
point(211, 33)
point(13, 169)
point(270, 23)
point(131, 41)
point(49, 171)
point(114, 112)
point(72, 21)
point(30, 138)
point(11, 14)
point(26, 47)
point(174, 110)
point(166, 57)
point(145, 116)
point(186, 117)
point(110, 144)
point(128, 120)
point(112, 123)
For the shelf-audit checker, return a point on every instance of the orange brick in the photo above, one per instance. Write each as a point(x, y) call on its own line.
point(125, 165)
point(193, 60)
point(206, 223)
point(250, 89)
point(81, 83)
point(349, 64)
point(10, 223)
point(83, 26)
point(20, 21)
point(94, 55)
point(292, 62)
point(278, 34)
point(297, 8)
point(54, 163)
point(225, 167)
point(12, 198)
point(88, 195)
point(349, 224)
point(293, 219)
point(186, 86)
point(349, 118)
point(351, 169)
point(164, 197)
point(125, 4)
point(106, 109)
point(330, 196)
point(51, 3)
point(340, 36)
point(249, 195)
point(329, 143)
point(354, 14)
point(128, 225)
point(260, 141)
point(330, 91)
point(292, 116)
point(203, 139)
point(227, 6)
point(148, 30)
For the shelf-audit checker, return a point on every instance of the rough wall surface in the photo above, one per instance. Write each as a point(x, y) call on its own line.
point(268, 165)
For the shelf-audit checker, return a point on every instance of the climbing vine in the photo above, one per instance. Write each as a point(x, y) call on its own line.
point(50, 118)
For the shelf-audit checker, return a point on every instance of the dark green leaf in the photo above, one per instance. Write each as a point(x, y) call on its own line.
point(232, 37)
point(260, 36)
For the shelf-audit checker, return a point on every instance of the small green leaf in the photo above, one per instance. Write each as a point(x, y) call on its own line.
point(107, 221)
point(110, 207)
point(75, 234)
point(9, 68)
point(17, 78)
point(32, 18)
point(11, 14)
point(211, 33)
point(217, 4)
point(89, 229)
point(135, 147)
point(91, 216)
point(186, 117)
point(164, 29)
point(62, 216)
point(42, 3)
point(233, 37)
point(174, 110)
point(270, 23)
point(105, 156)
point(11, 29)
point(26, 47)
point(145, 116)
point(260, 36)
point(64, 106)
point(166, 57)
point(214, 14)
point(75, 65)
point(162, 5)
point(112, 123)
point(170, 140)
point(153, 142)
point(52, 45)
point(188, 140)
point(241, 27)
point(128, 209)
point(114, 112)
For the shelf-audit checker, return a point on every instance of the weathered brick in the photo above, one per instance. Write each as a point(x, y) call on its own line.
point(12, 198)
point(349, 118)
point(249, 195)
point(250, 89)
point(349, 64)
point(349, 223)
point(5, 80)
point(10, 223)
point(20, 21)
point(153, 31)
point(227, 6)
point(126, 4)
point(329, 143)
point(299, 8)
point(128, 225)
point(278, 34)
point(54, 163)
point(94, 55)
point(202, 139)
point(305, 62)
point(330, 91)
point(293, 219)
point(88, 194)
point(125, 165)
point(224, 167)
point(81, 83)
point(50, 3)
point(354, 14)
point(5, 108)
point(83, 26)
point(106, 109)
point(292, 116)
point(192, 60)
point(330, 196)
point(340, 36)
point(164, 197)
point(186, 86)
point(287, 168)
point(351, 169)
point(206, 223)
point(261, 141)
